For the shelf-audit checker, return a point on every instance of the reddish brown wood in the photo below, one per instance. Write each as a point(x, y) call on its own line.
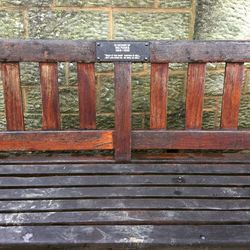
point(158, 96)
point(56, 140)
point(184, 139)
point(50, 96)
point(122, 112)
point(12, 96)
point(231, 95)
point(194, 95)
point(87, 95)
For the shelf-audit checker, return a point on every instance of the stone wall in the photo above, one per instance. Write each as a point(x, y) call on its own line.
point(131, 19)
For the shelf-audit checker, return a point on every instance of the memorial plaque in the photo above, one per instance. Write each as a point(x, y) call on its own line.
point(115, 51)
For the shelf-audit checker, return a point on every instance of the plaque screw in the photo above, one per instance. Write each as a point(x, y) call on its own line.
point(145, 58)
point(146, 44)
point(98, 44)
point(98, 58)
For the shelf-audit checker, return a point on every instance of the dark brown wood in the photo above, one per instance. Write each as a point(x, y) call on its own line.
point(12, 96)
point(47, 51)
point(56, 140)
point(194, 95)
point(122, 137)
point(50, 96)
point(87, 95)
point(178, 139)
point(161, 51)
point(158, 96)
point(231, 96)
point(199, 51)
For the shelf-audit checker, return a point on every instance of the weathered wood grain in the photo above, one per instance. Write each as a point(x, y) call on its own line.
point(231, 96)
point(124, 192)
point(124, 204)
point(138, 168)
point(158, 96)
point(122, 136)
point(199, 51)
point(56, 140)
point(194, 95)
point(87, 95)
point(125, 180)
point(50, 96)
point(137, 217)
point(180, 139)
point(12, 96)
point(47, 51)
point(144, 235)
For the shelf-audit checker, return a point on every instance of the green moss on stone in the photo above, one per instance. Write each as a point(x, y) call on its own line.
point(151, 25)
point(68, 25)
point(11, 24)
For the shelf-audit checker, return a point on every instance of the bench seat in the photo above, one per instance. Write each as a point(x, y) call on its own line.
point(124, 204)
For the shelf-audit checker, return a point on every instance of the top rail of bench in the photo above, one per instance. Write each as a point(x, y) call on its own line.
point(160, 51)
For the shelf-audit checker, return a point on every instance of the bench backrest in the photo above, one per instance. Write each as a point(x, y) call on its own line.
point(122, 139)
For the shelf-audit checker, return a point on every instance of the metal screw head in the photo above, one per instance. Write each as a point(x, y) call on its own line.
point(202, 237)
point(145, 58)
point(180, 179)
point(146, 44)
point(98, 44)
point(98, 58)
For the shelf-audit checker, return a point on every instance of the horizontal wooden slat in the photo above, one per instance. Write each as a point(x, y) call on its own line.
point(191, 139)
point(125, 180)
point(137, 217)
point(123, 204)
point(56, 140)
point(126, 192)
point(124, 169)
point(103, 139)
point(143, 235)
point(47, 51)
point(161, 51)
point(200, 51)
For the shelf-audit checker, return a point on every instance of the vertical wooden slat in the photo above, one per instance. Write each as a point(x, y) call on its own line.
point(194, 95)
point(158, 96)
point(12, 96)
point(50, 96)
point(231, 95)
point(122, 137)
point(87, 95)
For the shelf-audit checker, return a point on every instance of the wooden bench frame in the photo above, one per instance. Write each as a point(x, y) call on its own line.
point(122, 139)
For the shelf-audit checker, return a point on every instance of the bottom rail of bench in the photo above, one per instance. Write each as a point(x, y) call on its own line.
point(142, 235)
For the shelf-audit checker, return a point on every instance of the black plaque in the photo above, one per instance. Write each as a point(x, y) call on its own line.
point(125, 51)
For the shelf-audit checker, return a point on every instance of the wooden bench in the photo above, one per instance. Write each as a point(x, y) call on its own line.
point(124, 200)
